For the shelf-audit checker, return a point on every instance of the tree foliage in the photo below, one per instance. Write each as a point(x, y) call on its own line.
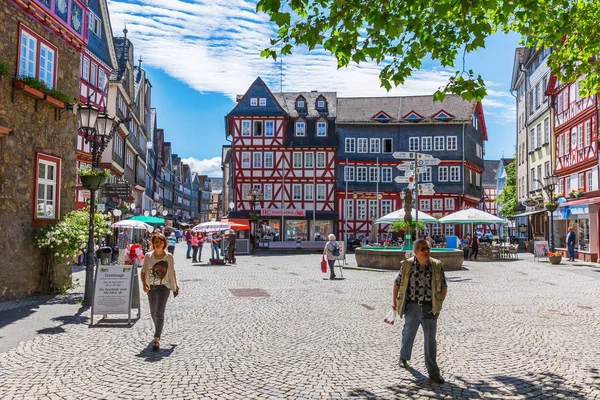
point(399, 35)
point(507, 200)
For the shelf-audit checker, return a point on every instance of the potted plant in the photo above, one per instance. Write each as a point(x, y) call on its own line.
point(33, 87)
point(576, 193)
point(555, 257)
point(57, 98)
point(551, 205)
point(93, 178)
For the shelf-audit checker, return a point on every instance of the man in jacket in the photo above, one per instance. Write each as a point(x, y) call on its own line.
point(188, 241)
point(419, 291)
point(571, 244)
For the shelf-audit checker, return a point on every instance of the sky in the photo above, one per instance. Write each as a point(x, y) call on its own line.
point(199, 54)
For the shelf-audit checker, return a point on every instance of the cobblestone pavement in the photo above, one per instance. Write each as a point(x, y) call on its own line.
point(510, 330)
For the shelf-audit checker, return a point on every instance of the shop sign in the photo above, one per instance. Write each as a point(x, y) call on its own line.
point(371, 196)
point(285, 213)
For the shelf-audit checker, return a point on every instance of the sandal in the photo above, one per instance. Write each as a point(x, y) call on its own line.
point(155, 345)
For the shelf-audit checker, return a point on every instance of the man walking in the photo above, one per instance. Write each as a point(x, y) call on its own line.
point(122, 243)
point(231, 239)
point(571, 244)
point(188, 241)
point(419, 291)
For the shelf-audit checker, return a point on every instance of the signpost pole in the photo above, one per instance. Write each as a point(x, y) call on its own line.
point(417, 195)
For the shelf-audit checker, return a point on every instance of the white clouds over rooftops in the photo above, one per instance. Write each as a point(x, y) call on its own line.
point(215, 45)
point(210, 167)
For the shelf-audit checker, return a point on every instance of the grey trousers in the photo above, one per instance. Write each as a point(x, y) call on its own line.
point(415, 315)
point(157, 297)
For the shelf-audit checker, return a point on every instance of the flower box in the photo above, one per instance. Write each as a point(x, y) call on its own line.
point(36, 94)
point(555, 260)
point(93, 182)
point(54, 102)
point(551, 207)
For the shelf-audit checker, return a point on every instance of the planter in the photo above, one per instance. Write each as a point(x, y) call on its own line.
point(93, 182)
point(555, 260)
point(36, 94)
point(552, 208)
point(55, 102)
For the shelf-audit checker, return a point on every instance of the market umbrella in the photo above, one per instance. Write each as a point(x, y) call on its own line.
point(472, 216)
point(148, 219)
point(132, 224)
point(211, 226)
point(398, 215)
point(238, 227)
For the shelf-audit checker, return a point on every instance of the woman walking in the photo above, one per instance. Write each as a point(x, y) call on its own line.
point(158, 279)
point(215, 240)
point(194, 247)
point(331, 252)
point(200, 246)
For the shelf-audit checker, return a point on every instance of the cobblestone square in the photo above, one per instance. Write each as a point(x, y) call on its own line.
point(508, 330)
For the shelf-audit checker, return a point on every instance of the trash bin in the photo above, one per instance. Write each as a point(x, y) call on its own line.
point(105, 255)
point(452, 242)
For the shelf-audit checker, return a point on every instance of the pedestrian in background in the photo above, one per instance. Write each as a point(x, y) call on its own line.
point(465, 247)
point(419, 292)
point(231, 240)
point(474, 247)
point(178, 235)
point(172, 239)
point(331, 252)
point(158, 279)
point(200, 237)
point(214, 245)
point(194, 247)
point(571, 244)
point(188, 241)
point(122, 244)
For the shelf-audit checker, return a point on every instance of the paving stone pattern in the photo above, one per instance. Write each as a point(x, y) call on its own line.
point(509, 330)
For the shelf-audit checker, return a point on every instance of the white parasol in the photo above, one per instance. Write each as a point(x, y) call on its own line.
point(398, 215)
point(211, 226)
point(472, 216)
point(132, 224)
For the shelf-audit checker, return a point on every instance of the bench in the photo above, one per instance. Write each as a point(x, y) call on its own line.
point(313, 245)
point(282, 246)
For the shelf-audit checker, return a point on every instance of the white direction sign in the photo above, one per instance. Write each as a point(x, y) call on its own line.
point(430, 161)
point(425, 186)
point(402, 179)
point(409, 173)
point(427, 192)
point(410, 155)
point(406, 166)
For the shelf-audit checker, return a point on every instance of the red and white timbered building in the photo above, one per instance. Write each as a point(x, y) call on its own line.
point(284, 144)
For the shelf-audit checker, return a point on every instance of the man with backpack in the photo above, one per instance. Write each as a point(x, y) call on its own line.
point(331, 252)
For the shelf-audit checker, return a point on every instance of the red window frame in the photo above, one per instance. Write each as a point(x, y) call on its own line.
point(50, 158)
point(40, 40)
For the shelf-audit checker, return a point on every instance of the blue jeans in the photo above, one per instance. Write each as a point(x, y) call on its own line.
point(214, 249)
point(415, 315)
point(571, 248)
point(189, 250)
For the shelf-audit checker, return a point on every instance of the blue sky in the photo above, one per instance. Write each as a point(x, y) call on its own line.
point(199, 54)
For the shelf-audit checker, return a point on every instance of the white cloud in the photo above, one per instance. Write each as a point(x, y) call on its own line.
point(210, 167)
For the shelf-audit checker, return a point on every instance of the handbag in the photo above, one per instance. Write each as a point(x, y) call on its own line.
point(323, 265)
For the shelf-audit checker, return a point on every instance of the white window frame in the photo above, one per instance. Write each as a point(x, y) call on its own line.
point(321, 192)
point(257, 160)
point(269, 128)
point(246, 163)
point(262, 101)
point(438, 143)
point(46, 71)
point(443, 174)
point(300, 128)
point(299, 103)
point(50, 206)
point(386, 207)
point(588, 133)
point(321, 128)
point(296, 159)
point(101, 79)
point(424, 204)
point(245, 190)
point(309, 159)
point(361, 171)
point(391, 141)
point(27, 54)
point(349, 175)
point(449, 203)
point(437, 205)
point(349, 203)
point(321, 160)
point(386, 175)
point(95, 25)
point(246, 128)
point(451, 143)
point(296, 191)
point(374, 145)
point(424, 174)
point(321, 104)
point(350, 145)
point(361, 209)
point(449, 230)
point(546, 130)
point(309, 191)
point(373, 174)
point(253, 102)
point(362, 145)
point(426, 143)
point(454, 173)
point(373, 209)
point(413, 144)
point(268, 191)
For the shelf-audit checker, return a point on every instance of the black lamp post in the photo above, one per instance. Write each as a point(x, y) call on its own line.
point(99, 130)
point(253, 196)
point(550, 183)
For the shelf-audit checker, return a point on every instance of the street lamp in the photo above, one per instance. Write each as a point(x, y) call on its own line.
point(98, 130)
point(550, 183)
point(253, 196)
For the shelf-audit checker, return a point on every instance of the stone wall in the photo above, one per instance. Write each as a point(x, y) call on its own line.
point(36, 129)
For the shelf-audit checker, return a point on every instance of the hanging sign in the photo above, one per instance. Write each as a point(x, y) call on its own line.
point(279, 212)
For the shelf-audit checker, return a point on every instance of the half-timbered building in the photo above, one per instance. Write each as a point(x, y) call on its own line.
point(284, 145)
point(576, 131)
point(373, 129)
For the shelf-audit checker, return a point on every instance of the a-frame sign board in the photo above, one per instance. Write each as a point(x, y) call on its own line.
point(116, 291)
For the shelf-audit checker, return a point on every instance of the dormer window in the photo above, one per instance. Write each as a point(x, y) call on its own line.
point(321, 127)
point(300, 104)
point(253, 102)
point(412, 117)
point(262, 102)
point(300, 128)
point(381, 116)
point(321, 104)
point(443, 116)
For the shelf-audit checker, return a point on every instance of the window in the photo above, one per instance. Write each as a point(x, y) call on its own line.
point(320, 192)
point(531, 139)
point(95, 25)
point(546, 130)
point(537, 96)
point(424, 174)
point(361, 209)
point(321, 104)
point(253, 101)
point(101, 79)
point(449, 203)
point(300, 128)
point(438, 143)
point(362, 145)
point(349, 209)
point(361, 174)
point(320, 159)
point(262, 102)
point(451, 143)
point(544, 87)
point(547, 168)
point(560, 103)
point(580, 180)
point(574, 139)
point(443, 174)
point(308, 191)
point(386, 174)
point(309, 160)
point(449, 229)
point(94, 74)
point(245, 128)
point(589, 184)
point(27, 55)
point(129, 159)
point(373, 174)
point(424, 204)
point(372, 209)
point(118, 144)
point(426, 143)
point(559, 142)
point(375, 145)
point(455, 174)
point(300, 104)
point(296, 192)
point(588, 133)
point(350, 145)
point(245, 160)
point(321, 128)
point(349, 174)
point(386, 207)
point(532, 184)
point(47, 186)
point(297, 160)
point(269, 128)
point(387, 146)
point(268, 191)
point(245, 189)
point(436, 204)
point(257, 128)
point(413, 144)
point(268, 159)
point(36, 58)
point(580, 136)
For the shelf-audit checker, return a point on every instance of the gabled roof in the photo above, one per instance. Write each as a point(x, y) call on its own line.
point(443, 116)
point(506, 161)
point(381, 116)
point(412, 116)
point(361, 109)
point(258, 89)
point(490, 167)
point(288, 103)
